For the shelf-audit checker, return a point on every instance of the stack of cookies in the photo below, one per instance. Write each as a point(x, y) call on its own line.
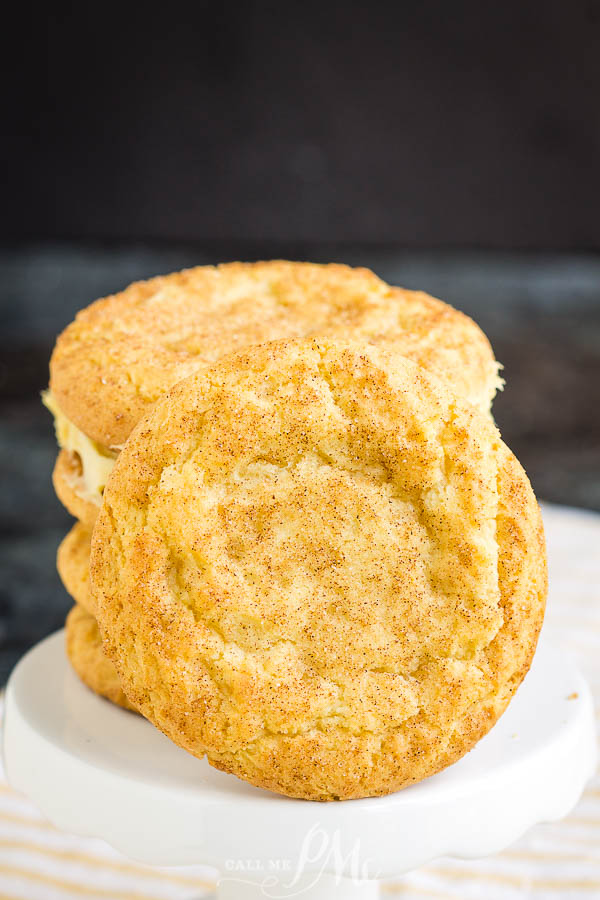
point(303, 550)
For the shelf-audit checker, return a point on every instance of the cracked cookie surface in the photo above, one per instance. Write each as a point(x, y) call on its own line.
point(317, 566)
point(123, 352)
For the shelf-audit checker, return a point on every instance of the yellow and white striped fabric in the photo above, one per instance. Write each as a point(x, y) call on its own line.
point(551, 862)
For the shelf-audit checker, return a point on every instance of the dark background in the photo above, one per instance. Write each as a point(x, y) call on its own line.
point(425, 124)
point(453, 147)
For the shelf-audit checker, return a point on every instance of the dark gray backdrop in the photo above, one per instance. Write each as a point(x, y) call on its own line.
point(425, 124)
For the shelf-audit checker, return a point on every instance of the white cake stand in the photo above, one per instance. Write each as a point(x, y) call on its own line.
point(96, 770)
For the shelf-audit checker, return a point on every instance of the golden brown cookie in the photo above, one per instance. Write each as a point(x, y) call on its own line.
point(84, 650)
point(317, 566)
point(73, 564)
point(67, 479)
point(123, 352)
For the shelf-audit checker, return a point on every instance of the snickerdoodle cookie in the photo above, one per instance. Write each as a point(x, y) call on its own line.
point(121, 353)
point(84, 646)
point(71, 489)
point(84, 650)
point(320, 568)
point(82, 467)
point(73, 564)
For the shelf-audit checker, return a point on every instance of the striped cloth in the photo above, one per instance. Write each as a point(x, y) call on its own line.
point(38, 862)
